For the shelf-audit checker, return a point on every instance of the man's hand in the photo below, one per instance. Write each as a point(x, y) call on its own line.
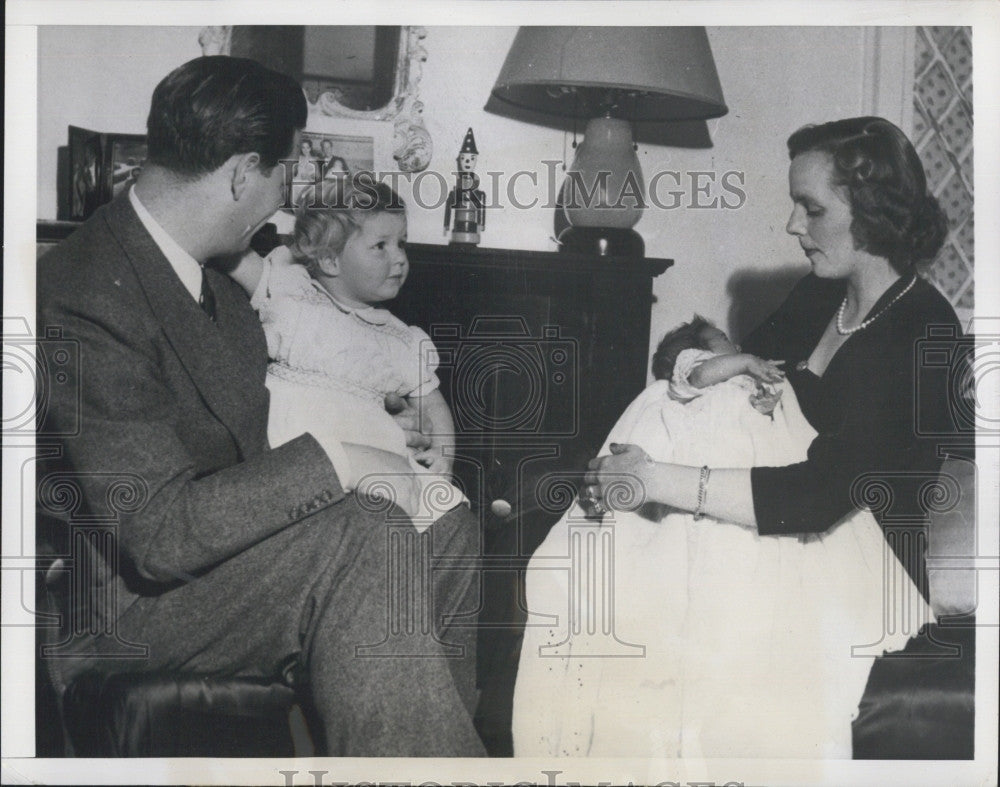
point(434, 459)
point(384, 475)
point(410, 421)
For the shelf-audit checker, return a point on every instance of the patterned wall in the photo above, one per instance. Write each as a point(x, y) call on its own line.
point(942, 132)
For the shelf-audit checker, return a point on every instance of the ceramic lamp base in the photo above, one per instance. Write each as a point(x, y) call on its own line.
point(464, 238)
point(602, 242)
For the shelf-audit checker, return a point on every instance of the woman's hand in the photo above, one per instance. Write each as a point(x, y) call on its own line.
point(619, 481)
point(628, 479)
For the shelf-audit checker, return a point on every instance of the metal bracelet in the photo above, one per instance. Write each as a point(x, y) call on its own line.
point(699, 511)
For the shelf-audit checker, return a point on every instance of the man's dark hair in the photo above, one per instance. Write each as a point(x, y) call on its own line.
point(212, 108)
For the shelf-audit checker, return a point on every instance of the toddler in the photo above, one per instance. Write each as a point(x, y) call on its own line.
point(335, 355)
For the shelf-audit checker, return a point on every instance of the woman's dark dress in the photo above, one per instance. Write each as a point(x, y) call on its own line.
point(866, 407)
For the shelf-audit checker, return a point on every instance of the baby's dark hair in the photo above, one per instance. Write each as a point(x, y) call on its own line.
point(684, 337)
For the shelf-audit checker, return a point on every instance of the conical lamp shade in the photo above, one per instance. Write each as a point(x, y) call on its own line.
point(659, 73)
point(612, 77)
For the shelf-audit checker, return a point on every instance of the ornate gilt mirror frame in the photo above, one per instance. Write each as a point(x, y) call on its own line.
point(412, 145)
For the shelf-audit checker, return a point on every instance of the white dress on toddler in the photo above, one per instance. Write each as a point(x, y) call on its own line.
point(332, 366)
point(652, 634)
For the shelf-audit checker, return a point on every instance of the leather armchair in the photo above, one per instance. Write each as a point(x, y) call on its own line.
point(919, 703)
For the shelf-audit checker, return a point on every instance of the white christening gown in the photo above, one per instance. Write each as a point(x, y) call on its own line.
point(670, 637)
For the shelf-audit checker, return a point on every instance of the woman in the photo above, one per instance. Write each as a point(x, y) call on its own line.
point(715, 678)
point(305, 166)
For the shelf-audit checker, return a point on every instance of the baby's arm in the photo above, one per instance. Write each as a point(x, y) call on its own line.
point(247, 271)
point(436, 422)
point(723, 367)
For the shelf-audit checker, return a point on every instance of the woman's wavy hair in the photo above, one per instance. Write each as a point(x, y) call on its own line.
point(893, 214)
point(687, 336)
point(329, 212)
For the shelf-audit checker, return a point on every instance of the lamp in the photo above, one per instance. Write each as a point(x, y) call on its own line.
point(613, 77)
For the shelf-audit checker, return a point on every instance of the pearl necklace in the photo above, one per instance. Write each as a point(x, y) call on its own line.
point(843, 305)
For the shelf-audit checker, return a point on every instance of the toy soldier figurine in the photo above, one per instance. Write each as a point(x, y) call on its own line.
point(467, 201)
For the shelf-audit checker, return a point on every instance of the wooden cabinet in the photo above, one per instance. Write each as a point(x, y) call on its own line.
point(539, 355)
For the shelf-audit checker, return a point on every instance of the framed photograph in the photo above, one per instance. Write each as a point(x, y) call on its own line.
point(333, 147)
point(124, 155)
point(101, 166)
point(85, 172)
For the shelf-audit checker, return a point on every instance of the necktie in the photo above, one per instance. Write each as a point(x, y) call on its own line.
point(207, 298)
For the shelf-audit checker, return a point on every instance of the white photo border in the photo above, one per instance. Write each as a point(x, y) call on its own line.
point(20, 119)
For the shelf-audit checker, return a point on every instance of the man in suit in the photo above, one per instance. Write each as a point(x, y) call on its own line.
point(331, 165)
point(233, 557)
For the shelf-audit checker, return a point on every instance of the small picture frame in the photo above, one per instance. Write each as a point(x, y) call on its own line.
point(334, 147)
point(124, 155)
point(86, 175)
point(101, 166)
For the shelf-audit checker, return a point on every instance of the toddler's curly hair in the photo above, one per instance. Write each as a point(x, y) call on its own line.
point(328, 214)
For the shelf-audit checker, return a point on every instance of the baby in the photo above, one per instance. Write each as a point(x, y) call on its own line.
point(696, 355)
point(335, 355)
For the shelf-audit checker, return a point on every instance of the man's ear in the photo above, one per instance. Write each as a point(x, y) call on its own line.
point(244, 165)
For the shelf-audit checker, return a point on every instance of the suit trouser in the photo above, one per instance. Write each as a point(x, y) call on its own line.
point(363, 602)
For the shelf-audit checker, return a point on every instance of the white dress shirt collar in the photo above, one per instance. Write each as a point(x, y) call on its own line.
point(186, 267)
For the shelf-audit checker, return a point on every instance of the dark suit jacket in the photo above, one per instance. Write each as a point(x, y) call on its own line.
point(172, 402)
